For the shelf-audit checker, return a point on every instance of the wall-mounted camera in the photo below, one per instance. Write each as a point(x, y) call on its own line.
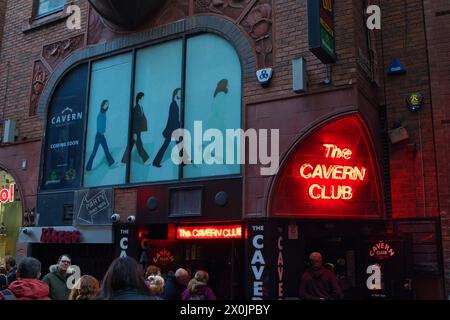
point(26, 231)
point(115, 217)
point(131, 219)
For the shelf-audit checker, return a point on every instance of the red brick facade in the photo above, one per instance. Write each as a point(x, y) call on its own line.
point(437, 18)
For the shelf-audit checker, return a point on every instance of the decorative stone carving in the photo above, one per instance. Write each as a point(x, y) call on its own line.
point(172, 11)
point(40, 77)
point(258, 24)
point(56, 52)
point(229, 8)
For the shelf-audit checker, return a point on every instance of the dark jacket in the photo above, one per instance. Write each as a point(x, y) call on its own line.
point(172, 289)
point(139, 120)
point(132, 294)
point(11, 276)
point(29, 289)
point(57, 284)
point(173, 121)
point(319, 283)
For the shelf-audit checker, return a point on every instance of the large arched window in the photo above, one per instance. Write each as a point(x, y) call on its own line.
point(110, 121)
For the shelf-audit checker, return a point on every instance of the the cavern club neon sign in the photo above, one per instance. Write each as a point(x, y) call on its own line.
point(7, 195)
point(339, 173)
point(210, 232)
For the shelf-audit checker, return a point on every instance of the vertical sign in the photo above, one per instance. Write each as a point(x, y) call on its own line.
point(65, 132)
point(258, 264)
point(126, 240)
point(321, 30)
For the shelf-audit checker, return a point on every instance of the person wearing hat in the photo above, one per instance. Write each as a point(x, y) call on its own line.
point(198, 289)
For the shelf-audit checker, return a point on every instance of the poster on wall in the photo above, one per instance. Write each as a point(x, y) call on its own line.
point(93, 207)
point(156, 113)
point(65, 132)
point(107, 130)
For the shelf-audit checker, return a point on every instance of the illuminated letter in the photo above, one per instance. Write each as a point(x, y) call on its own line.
point(328, 148)
point(311, 190)
point(317, 172)
point(346, 193)
point(302, 170)
point(359, 174)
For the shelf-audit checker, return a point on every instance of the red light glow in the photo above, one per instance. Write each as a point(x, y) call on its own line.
point(210, 232)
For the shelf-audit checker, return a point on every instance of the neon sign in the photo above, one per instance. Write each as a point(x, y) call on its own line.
point(332, 172)
point(382, 249)
point(210, 232)
point(7, 195)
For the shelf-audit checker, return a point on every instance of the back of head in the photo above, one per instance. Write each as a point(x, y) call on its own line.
point(29, 268)
point(88, 288)
point(202, 276)
point(124, 273)
point(316, 259)
point(182, 276)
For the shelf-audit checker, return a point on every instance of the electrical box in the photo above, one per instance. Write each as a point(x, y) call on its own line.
point(299, 75)
point(9, 131)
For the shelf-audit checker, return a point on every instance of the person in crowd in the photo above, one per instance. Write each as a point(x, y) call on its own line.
point(86, 288)
point(176, 284)
point(27, 286)
point(124, 280)
point(156, 285)
point(10, 274)
point(152, 270)
point(57, 278)
point(3, 278)
point(319, 283)
point(198, 289)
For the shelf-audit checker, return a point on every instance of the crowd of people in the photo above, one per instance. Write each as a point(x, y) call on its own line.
point(124, 280)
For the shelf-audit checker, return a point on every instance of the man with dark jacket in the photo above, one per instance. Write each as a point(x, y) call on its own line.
point(57, 278)
point(10, 277)
point(318, 283)
point(175, 285)
point(27, 286)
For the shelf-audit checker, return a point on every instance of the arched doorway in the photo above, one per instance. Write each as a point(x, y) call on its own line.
point(10, 215)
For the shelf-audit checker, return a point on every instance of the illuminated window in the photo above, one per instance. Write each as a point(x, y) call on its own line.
point(45, 7)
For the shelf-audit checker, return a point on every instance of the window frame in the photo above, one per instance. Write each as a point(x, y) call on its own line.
point(133, 50)
point(37, 16)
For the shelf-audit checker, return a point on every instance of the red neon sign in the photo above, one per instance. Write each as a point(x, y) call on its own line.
point(210, 232)
point(331, 174)
point(50, 235)
point(340, 173)
point(7, 195)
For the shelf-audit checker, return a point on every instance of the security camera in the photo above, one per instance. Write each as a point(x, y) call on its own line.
point(115, 217)
point(131, 219)
point(26, 231)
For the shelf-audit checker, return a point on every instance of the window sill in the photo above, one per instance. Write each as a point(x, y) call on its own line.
point(35, 23)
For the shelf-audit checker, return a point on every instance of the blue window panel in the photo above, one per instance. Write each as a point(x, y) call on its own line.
point(213, 96)
point(158, 77)
point(107, 133)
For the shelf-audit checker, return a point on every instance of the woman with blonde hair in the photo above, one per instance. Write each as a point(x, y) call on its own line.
point(156, 285)
point(198, 289)
point(88, 288)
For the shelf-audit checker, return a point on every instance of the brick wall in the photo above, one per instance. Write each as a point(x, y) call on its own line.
point(19, 51)
point(437, 19)
point(412, 163)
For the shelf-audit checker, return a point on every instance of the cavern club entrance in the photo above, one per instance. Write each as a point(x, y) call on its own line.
point(368, 263)
point(327, 197)
point(216, 248)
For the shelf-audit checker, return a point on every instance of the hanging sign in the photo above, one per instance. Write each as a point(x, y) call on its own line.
point(321, 34)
